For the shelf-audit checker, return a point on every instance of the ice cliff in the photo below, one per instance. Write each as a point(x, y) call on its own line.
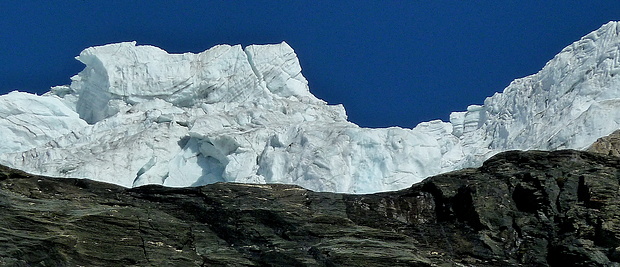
point(137, 115)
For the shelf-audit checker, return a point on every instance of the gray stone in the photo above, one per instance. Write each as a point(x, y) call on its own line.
point(530, 208)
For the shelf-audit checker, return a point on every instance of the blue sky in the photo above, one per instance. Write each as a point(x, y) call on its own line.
point(390, 63)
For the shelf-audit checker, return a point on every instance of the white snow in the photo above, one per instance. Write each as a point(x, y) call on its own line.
point(137, 115)
point(28, 121)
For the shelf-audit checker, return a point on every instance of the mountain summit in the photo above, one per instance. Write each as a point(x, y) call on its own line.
point(138, 115)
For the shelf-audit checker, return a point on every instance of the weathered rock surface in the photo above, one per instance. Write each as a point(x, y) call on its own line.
point(608, 145)
point(519, 209)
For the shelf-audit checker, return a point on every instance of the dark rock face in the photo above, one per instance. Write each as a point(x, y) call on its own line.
point(519, 209)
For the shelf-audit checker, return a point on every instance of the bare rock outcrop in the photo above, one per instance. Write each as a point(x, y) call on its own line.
point(608, 145)
point(529, 208)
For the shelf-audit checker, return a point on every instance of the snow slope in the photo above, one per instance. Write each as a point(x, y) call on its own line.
point(137, 115)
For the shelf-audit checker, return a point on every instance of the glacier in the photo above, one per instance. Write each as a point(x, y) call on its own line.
point(138, 115)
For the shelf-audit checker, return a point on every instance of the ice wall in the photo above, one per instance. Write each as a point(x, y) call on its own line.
point(138, 115)
point(570, 103)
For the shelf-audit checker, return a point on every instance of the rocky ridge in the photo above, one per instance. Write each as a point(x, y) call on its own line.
point(531, 208)
point(608, 145)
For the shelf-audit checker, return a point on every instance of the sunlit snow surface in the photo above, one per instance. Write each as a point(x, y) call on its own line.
point(137, 115)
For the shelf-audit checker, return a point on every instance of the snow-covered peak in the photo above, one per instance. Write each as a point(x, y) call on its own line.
point(139, 115)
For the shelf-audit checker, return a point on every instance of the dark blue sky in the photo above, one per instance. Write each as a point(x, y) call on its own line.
point(391, 63)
